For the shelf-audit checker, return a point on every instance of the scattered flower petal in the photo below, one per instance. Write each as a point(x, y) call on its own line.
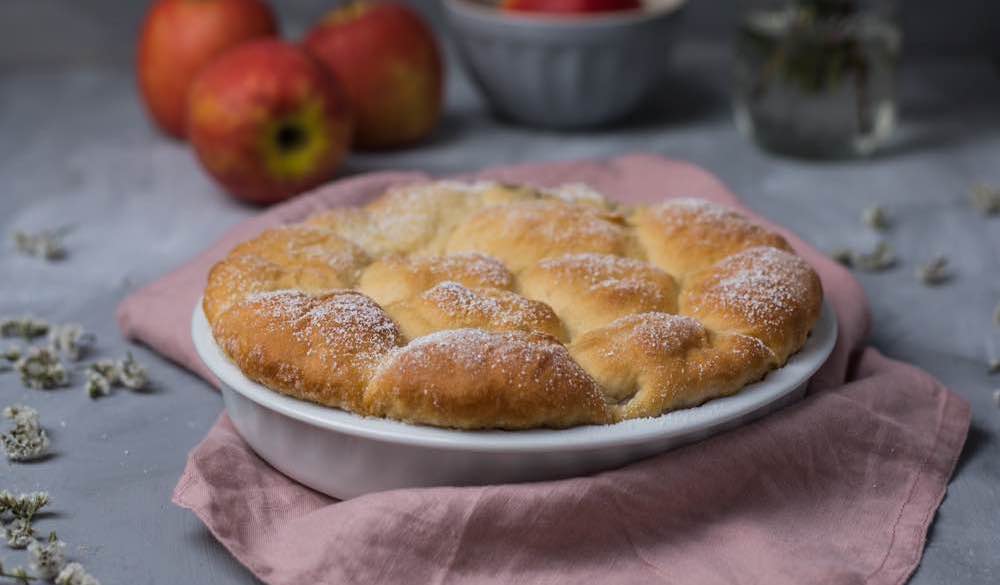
point(27, 441)
point(74, 574)
point(844, 256)
point(47, 559)
point(131, 374)
point(883, 257)
point(26, 327)
point(42, 369)
point(19, 533)
point(876, 218)
point(46, 244)
point(70, 340)
point(986, 199)
point(934, 272)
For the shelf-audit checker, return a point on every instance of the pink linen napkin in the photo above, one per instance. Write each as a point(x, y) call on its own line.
point(839, 488)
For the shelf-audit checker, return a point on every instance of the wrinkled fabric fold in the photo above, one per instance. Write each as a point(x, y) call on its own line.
point(838, 488)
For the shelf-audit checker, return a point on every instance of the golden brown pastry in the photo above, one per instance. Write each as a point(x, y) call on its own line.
point(321, 348)
point(650, 363)
point(768, 293)
point(682, 235)
point(485, 305)
point(471, 378)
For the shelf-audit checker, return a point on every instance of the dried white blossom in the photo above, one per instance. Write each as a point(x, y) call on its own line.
point(883, 257)
point(18, 533)
point(97, 385)
point(131, 374)
point(47, 559)
point(18, 574)
point(934, 272)
point(27, 327)
point(105, 368)
point(22, 505)
point(8, 357)
point(70, 340)
point(876, 218)
point(103, 375)
point(843, 255)
point(28, 440)
point(986, 199)
point(46, 244)
point(42, 369)
point(996, 397)
point(75, 574)
point(12, 353)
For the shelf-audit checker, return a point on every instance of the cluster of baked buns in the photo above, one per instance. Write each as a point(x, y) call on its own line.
point(482, 305)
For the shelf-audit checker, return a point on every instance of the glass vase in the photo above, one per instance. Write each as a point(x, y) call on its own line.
point(817, 78)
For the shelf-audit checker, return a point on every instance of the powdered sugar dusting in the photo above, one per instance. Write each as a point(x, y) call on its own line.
point(612, 273)
point(498, 308)
point(341, 255)
point(681, 213)
point(466, 187)
point(764, 284)
point(556, 223)
point(576, 193)
point(345, 320)
point(527, 361)
point(702, 207)
point(656, 334)
point(485, 270)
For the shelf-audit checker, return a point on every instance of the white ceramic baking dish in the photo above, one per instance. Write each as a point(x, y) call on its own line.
point(346, 455)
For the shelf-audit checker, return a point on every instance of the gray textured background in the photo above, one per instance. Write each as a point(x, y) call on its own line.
point(34, 32)
point(75, 148)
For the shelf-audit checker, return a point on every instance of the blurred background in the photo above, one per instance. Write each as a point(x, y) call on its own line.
point(59, 32)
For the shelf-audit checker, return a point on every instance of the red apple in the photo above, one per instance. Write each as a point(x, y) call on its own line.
point(570, 6)
point(268, 121)
point(180, 37)
point(389, 64)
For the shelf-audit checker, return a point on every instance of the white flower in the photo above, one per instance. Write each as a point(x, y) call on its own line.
point(41, 368)
point(27, 440)
point(8, 356)
point(26, 327)
point(19, 533)
point(70, 340)
point(131, 374)
point(74, 574)
point(47, 559)
point(23, 505)
point(105, 374)
point(97, 384)
point(46, 244)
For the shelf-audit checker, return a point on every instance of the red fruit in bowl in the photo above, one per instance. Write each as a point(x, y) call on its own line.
point(570, 6)
point(179, 37)
point(268, 121)
point(389, 63)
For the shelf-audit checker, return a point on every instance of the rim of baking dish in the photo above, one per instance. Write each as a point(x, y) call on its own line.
point(776, 385)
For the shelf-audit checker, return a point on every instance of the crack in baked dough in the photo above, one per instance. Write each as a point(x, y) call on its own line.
point(484, 305)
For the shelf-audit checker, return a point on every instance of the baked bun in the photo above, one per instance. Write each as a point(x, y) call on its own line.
point(471, 378)
point(485, 305)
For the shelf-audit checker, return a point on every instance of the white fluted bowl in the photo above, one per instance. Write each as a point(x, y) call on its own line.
point(559, 71)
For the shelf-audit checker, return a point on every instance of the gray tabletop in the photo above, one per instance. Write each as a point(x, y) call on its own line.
point(75, 149)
